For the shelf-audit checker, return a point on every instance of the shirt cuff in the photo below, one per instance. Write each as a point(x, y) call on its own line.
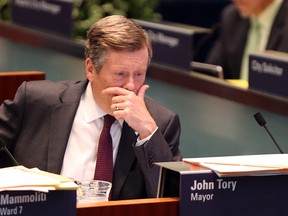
point(141, 142)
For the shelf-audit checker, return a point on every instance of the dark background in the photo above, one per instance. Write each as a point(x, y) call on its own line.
point(204, 13)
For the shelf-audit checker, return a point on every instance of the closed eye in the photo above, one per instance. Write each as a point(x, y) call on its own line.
point(120, 74)
point(138, 74)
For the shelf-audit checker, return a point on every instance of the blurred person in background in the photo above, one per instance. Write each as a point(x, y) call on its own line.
point(248, 26)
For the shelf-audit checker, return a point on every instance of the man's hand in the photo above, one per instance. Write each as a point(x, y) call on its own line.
point(130, 107)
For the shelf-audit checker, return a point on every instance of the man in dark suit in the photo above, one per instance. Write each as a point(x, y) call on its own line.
point(55, 126)
point(229, 49)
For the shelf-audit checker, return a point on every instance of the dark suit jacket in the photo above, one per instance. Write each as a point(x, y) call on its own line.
point(36, 125)
point(229, 47)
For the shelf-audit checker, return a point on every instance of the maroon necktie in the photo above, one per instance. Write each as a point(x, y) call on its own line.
point(104, 165)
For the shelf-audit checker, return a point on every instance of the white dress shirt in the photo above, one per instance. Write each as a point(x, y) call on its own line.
point(81, 153)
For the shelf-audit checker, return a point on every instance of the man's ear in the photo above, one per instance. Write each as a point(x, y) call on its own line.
point(89, 68)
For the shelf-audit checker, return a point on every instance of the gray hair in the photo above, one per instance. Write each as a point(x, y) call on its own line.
point(117, 33)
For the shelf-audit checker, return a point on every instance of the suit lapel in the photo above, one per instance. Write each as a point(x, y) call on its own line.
point(62, 117)
point(124, 160)
point(278, 28)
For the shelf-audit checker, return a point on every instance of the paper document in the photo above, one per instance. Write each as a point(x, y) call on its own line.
point(22, 178)
point(244, 165)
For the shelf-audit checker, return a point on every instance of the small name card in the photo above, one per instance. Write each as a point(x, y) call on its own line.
point(50, 15)
point(34, 203)
point(173, 45)
point(268, 72)
point(202, 192)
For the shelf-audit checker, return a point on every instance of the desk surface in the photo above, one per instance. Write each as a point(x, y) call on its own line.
point(216, 117)
point(219, 88)
point(139, 207)
point(168, 74)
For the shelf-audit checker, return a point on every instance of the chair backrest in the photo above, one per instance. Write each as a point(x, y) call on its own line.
point(10, 81)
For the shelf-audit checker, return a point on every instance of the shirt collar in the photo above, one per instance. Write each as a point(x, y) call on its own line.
point(267, 17)
point(92, 110)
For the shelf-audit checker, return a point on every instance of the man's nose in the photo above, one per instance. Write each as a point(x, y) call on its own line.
point(129, 84)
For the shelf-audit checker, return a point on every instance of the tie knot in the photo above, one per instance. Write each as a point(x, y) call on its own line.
point(108, 121)
point(256, 24)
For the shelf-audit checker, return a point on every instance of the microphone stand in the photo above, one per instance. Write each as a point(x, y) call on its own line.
point(3, 146)
point(261, 121)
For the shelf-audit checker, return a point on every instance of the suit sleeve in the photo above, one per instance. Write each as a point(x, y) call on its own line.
point(11, 113)
point(162, 147)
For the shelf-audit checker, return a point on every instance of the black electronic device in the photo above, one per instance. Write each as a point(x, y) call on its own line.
point(261, 121)
point(8, 153)
point(207, 69)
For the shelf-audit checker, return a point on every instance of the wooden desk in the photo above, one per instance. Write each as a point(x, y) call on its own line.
point(216, 117)
point(219, 88)
point(41, 39)
point(139, 207)
point(161, 72)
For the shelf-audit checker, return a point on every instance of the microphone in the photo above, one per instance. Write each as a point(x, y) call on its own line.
point(261, 121)
point(3, 146)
